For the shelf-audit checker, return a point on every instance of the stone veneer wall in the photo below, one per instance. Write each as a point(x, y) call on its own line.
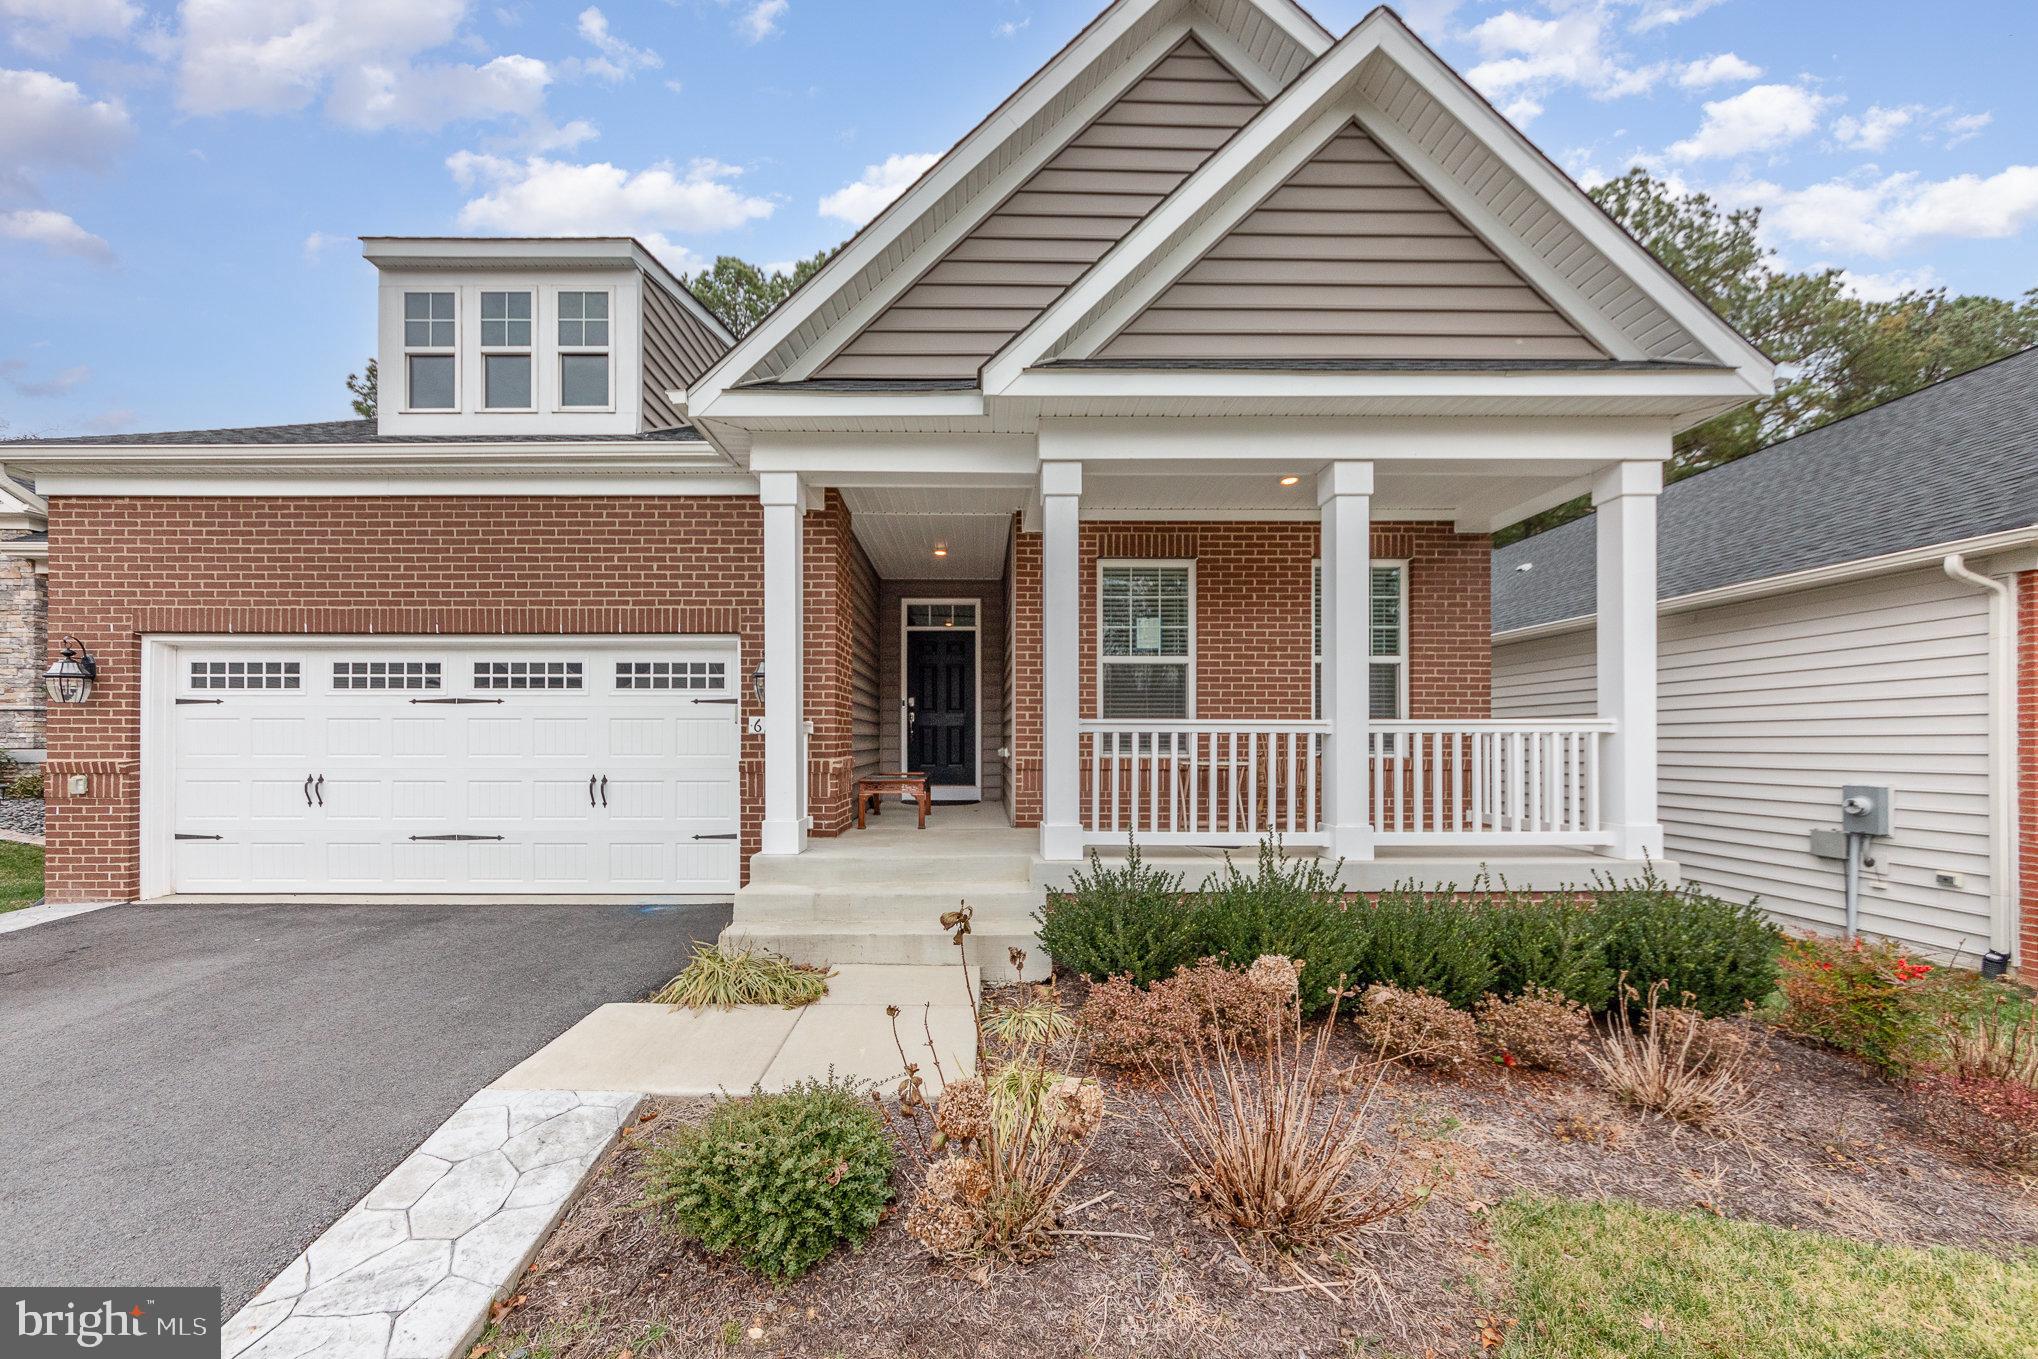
point(24, 647)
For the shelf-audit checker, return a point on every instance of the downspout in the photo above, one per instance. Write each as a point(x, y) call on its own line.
point(2002, 774)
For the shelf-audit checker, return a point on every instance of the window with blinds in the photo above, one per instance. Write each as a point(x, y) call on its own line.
point(1146, 626)
point(1387, 675)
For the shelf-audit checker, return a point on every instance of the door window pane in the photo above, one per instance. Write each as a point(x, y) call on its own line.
point(508, 381)
point(431, 382)
point(583, 379)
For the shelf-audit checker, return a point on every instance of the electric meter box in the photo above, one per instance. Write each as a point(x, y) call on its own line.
point(1864, 809)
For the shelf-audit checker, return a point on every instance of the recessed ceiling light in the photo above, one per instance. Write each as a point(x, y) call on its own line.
point(1289, 481)
point(941, 549)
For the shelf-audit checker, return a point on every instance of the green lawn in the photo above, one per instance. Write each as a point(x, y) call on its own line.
point(20, 875)
point(1617, 1281)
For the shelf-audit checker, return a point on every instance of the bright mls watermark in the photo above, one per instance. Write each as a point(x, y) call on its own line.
point(109, 1323)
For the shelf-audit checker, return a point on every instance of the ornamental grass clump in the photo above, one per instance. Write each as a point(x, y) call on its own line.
point(776, 1181)
point(1539, 1028)
point(1666, 1067)
point(718, 980)
point(1416, 1027)
point(1275, 1139)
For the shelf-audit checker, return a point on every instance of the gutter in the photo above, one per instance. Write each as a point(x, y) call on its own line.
point(2002, 773)
point(1809, 578)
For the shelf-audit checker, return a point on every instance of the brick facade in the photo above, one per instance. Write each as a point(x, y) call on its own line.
point(479, 566)
point(2027, 772)
point(1254, 622)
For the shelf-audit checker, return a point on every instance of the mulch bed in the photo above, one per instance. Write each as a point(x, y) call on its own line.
point(1826, 1147)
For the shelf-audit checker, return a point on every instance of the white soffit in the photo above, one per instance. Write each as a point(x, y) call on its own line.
point(900, 527)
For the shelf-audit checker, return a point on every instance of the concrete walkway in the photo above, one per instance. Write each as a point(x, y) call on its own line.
point(659, 1050)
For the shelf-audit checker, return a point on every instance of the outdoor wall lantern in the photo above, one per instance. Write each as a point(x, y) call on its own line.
point(69, 680)
point(757, 682)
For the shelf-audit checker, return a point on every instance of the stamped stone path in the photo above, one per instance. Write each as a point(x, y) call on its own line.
point(410, 1270)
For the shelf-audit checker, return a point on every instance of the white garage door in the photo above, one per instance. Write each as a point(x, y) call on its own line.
point(574, 766)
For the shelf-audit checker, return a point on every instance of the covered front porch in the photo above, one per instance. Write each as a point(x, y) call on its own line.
point(1194, 652)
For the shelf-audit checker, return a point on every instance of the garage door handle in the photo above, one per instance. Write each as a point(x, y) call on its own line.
point(320, 789)
point(605, 790)
point(455, 837)
point(731, 835)
point(718, 700)
point(307, 790)
point(590, 790)
point(183, 835)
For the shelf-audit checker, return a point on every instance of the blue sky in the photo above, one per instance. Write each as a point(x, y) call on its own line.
point(180, 185)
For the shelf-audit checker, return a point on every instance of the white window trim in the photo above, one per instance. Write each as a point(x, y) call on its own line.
point(1105, 564)
point(1400, 660)
point(529, 351)
point(451, 351)
point(561, 352)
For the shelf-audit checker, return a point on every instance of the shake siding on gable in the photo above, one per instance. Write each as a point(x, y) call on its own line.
point(1350, 258)
point(1769, 706)
point(677, 349)
point(996, 280)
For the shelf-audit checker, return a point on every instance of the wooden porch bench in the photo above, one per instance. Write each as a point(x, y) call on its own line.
point(872, 791)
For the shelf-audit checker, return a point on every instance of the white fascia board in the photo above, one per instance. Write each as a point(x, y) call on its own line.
point(366, 483)
point(1584, 216)
point(896, 459)
point(757, 403)
point(1423, 440)
point(35, 551)
point(1700, 386)
point(1808, 579)
point(962, 159)
point(1307, 99)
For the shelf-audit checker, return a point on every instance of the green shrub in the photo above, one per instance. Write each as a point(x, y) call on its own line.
point(1555, 944)
point(777, 1181)
point(1721, 954)
point(1126, 920)
point(1290, 908)
point(1430, 941)
point(27, 785)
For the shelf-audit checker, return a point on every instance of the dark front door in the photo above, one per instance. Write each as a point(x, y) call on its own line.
point(941, 716)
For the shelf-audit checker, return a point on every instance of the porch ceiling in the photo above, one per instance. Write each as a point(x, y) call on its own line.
point(901, 527)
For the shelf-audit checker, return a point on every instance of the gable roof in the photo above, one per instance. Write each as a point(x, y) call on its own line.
point(1955, 461)
point(992, 283)
point(1351, 257)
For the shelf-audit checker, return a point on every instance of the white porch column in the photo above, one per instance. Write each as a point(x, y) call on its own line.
point(785, 824)
point(1061, 622)
point(1625, 498)
point(1344, 493)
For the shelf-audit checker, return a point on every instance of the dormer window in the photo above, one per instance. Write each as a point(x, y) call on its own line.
point(584, 350)
point(506, 351)
point(430, 366)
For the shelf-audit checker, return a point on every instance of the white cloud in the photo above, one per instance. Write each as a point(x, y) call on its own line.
point(1009, 28)
point(1879, 217)
point(372, 96)
point(1966, 127)
point(1521, 112)
point(857, 203)
point(317, 243)
point(1873, 130)
point(54, 231)
point(762, 19)
point(47, 122)
point(1722, 69)
point(1662, 13)
point(541, 197)
point(47, 27)
point(618, 59)
point(1759, 118)
point(54, 385)
point(1528, 56)
point(1887, 287)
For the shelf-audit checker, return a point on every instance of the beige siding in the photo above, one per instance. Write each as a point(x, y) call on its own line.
point(678, 347)
point(1768, 707)
point(993, 283)
point(1350, 258)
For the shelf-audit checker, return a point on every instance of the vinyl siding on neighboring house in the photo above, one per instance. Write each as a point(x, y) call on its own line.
point(1350, 258)
point(678, 348)
point(995, 281)
point(1769, 706)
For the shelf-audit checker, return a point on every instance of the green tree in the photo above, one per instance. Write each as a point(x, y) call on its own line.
point(364, 387)
point(743, 294)
point(1835, 352)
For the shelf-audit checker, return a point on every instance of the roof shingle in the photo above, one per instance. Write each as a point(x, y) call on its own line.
point(328, 433)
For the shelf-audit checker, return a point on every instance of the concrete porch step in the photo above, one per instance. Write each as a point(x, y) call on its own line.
point(893, 866)
point(785, 901)
point(890, 942)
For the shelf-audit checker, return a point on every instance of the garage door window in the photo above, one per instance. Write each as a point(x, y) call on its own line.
point(669, 675)
point(245, 675)
point(528, 675)
point(387, 674)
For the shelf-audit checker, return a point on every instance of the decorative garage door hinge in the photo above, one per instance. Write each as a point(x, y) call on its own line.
point(182, 835)
point(718, 700)
point(456, 700)
point(186, 701)
point(730, 835)
point(456, 837)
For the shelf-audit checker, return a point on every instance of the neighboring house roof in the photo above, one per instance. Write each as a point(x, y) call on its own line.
point(330, 433)
point(1955, 461)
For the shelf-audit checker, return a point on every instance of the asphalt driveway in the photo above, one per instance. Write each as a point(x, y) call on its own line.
point(191, 1094)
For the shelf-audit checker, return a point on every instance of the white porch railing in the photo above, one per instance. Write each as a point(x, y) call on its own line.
point(1474, 783)
point(1431, 783)
point(1202, 783)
